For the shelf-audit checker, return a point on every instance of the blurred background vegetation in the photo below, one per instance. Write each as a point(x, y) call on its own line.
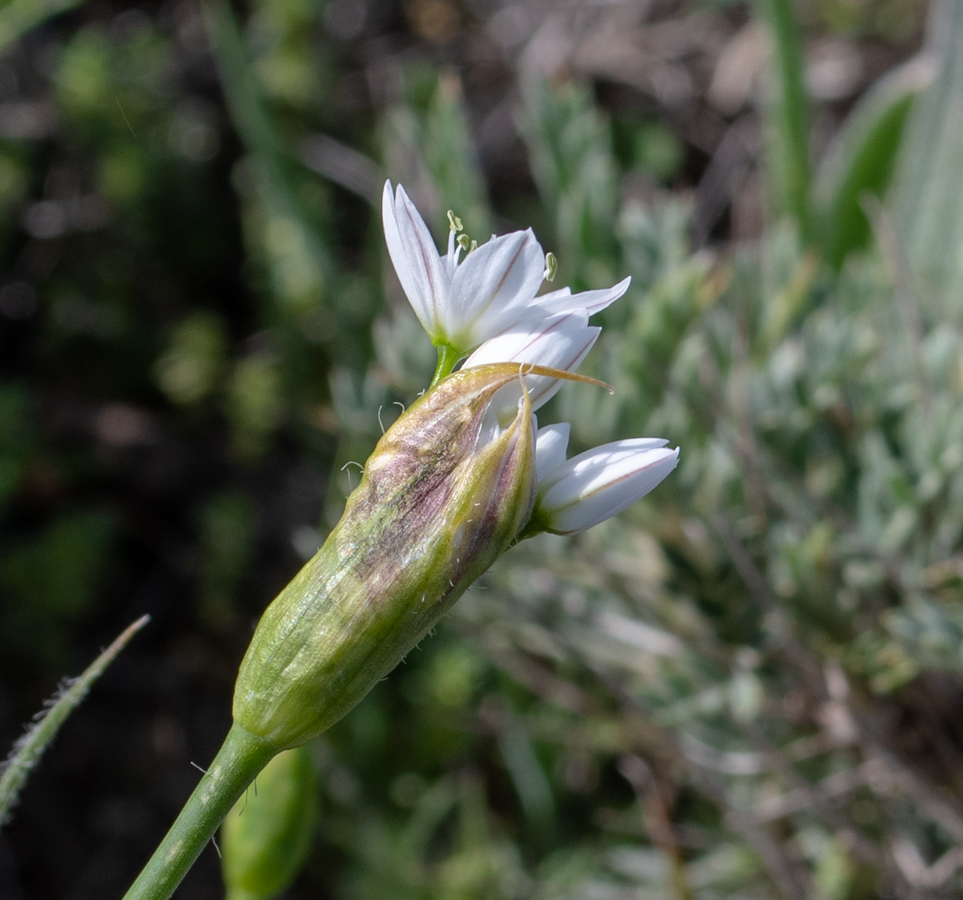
point(750, 685)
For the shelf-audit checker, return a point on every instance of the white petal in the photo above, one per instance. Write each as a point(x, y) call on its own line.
point(493, 286)
point(591, 301)
point(551, 442)
point(559, 342)
point(600, 483)
point(415, 257)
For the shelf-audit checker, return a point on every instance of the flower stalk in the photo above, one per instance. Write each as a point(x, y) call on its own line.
point(266, 838)
point(448, 358)
point(241, 757)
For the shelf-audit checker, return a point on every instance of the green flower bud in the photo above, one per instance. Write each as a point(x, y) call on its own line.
point(265, 839)
point(443, 495)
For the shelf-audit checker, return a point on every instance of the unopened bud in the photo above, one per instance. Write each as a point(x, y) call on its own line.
point(443, 495)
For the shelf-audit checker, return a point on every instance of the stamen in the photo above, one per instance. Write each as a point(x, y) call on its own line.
point(454, 223)
point(465, 243)
point(551, 267)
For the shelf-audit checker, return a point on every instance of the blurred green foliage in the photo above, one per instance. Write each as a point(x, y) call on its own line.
point(49, 580)
point(227, 533)
point(16, 434)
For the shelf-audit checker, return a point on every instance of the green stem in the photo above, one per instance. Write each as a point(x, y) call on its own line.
point(241, 757)
point(448, 358)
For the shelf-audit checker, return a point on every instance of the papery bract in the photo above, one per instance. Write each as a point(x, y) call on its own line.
point(441, 497)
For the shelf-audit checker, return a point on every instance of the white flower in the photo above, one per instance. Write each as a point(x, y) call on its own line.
point(462, 300)
point(576, 494)
point(483, 305)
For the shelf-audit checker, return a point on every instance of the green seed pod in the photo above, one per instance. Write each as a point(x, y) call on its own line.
point(266, 837)
point(443, 495)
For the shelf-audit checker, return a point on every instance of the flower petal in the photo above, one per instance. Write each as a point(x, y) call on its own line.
point(591, 301)
point(551, 442)
point(492, 288)
point(416, 260)
point(600, 483)
point(560, 342)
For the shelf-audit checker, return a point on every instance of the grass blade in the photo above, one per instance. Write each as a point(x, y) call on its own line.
point(788, 115)
point(863, 159)
point(28, 750)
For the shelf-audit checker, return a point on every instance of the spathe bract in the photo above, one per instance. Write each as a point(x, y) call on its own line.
point(445, 492)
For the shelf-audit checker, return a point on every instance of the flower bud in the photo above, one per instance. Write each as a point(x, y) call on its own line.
point(576, 494)
point(265, 839)
point(443, 495)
